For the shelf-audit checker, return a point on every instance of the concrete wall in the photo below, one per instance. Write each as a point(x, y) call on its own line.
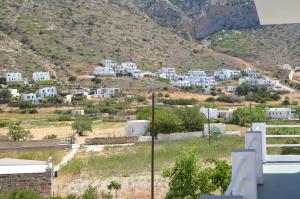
point(213, 126)
point(37, 182)
point(137, 127)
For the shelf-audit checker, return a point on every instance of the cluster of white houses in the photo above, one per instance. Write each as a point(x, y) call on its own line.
point(36, 77)
point(111, 68)
point(51, 91)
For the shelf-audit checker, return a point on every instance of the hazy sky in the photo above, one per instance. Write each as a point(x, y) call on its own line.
point(278, 11)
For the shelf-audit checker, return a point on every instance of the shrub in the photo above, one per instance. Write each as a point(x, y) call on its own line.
point(33, 111)
point(243, 116)
point(49, 137)
point(82, 124)
point(178, 101)
point(210, 99)
point(228, 99)
point(26, 105)
point(18, 133)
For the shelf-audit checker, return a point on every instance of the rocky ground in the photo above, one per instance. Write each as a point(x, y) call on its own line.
point(133, 187)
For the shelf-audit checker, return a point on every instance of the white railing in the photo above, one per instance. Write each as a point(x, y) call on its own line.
point(279, 158)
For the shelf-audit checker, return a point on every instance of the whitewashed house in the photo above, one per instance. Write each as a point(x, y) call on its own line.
point(183, 78)
point(168, 73)
point(226, 74)
point(297, 68)
point(279, 113)
point(258, 81)
point(105, 92)
point(181, 83)
point(213, 112)
point(205, 81)
point(197, 73)
point(47, 92)
point(231, 89)
point(104, 71)
point(108, 63)
point(286, 67)
point(32, 97)
point(41, 76)
point(136, 73)
point(13, 77)
point(14, 92)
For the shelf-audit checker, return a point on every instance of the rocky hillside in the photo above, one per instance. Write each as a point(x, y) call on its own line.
point(267, 47)
point(71, 37)
point(199, 18)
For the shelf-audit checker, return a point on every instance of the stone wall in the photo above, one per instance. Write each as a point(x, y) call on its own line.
point(37, 182)
point(111, 140)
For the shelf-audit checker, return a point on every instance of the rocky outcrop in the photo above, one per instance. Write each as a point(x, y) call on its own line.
point(199, 18)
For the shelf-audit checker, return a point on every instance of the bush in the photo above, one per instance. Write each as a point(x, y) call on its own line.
point(228, 99)
point(178, 101)
point(243, 116)
point(173, 120)
point(26, 105)
point(18, 133)
point(33, 111)
point(49, 137)
point(210, 99)
point(82, 124)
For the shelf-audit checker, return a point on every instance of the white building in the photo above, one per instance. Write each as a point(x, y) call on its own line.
point(197, 73)
point(136, 73)
point(213, 112)
point(231, 89)
point(14, 92)
point(41, 76)
point(257, 81)
point(226, 74)
point(213, 128)
point(108, 63)
point(181, 84)
point(30, 97)
point(13, 77)
point(205, 81)
point(279, 113)
point(105, 92)
point(137, 127)
point(104, 71)
point(286, 67)
point(77, 112)
point(168, 73)
point(47, 92)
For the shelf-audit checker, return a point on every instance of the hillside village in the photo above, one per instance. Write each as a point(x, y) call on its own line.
point(147, 99)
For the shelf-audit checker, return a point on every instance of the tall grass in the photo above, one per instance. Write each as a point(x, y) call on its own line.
point(130, 160)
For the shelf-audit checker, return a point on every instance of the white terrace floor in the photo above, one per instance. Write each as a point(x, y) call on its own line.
point(281, 180)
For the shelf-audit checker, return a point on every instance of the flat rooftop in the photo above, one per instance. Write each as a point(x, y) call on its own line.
point(281, 181)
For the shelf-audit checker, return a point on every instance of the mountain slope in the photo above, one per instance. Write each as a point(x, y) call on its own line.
point(267, 47)
point(75, 35)
point(199, 18)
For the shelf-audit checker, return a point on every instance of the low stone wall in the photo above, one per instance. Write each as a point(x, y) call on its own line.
point(111, 140)
point(172, 136)
point(31, 144)
point(37, 182)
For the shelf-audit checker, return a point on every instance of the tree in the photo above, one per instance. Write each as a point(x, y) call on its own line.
point(192, 119)
point(72, 78)
point(286, 101)
point(187, 180)
point(243, 89)
point(18, 133)
point(116, 186)
point(82, 124)
point(221, 174)
point(5, 95)
point(243, 116)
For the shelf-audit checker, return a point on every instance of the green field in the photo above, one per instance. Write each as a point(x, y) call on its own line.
point(135, 159)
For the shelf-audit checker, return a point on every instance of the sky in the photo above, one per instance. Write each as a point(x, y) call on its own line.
point(278, 11)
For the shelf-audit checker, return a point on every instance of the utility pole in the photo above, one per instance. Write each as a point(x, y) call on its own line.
point(152, 147)
point(251, 115)
point(208, 118)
